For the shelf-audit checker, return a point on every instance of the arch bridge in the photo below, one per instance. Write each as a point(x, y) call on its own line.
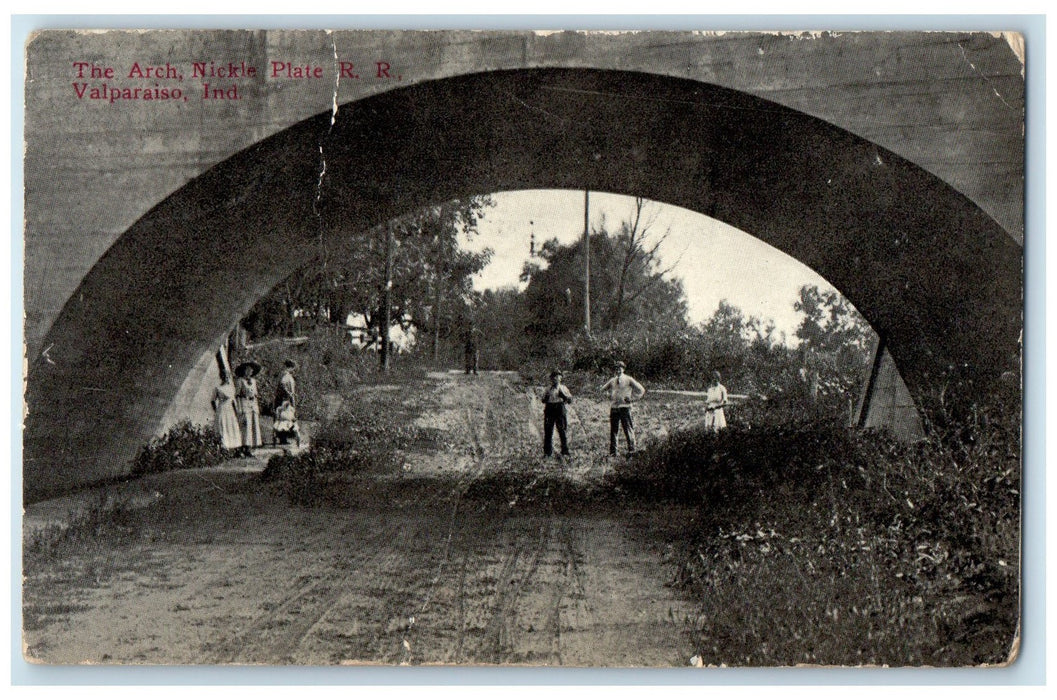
point(891, 164)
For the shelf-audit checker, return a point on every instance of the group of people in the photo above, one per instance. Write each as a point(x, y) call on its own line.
point(622, 390)
point(237, 410)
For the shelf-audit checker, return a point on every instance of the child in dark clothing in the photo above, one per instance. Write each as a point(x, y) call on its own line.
point(554, 400)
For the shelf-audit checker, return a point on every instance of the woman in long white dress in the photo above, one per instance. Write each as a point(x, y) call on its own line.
point(715, 400)
point(225, 420)
point(247, 405)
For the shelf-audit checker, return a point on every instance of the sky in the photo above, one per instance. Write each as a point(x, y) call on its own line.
point(715, 261)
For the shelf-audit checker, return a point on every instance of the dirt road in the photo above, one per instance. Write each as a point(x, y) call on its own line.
point(418, 567)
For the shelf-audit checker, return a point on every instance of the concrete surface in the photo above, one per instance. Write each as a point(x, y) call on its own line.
point(890, 163)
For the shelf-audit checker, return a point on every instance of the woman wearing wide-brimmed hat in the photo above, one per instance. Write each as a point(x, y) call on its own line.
point(247, 405)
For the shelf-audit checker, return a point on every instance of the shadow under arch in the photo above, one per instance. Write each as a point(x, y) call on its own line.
point(930, 271)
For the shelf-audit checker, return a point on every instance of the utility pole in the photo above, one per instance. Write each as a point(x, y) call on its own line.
point(437, 299)
point(587, 266)
point(383, 351)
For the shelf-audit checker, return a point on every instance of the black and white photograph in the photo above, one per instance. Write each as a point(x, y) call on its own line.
point(594, 349)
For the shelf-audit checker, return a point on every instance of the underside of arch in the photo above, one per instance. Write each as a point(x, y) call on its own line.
point(930, 271)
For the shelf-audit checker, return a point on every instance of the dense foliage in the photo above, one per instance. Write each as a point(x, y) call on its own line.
point(819, 545)
point(430, 275)
point(326, 364)
point(184, 446)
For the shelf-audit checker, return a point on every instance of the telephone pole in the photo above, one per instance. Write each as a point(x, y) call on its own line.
point(383, 351)
point(439, 275)
point(587, 266)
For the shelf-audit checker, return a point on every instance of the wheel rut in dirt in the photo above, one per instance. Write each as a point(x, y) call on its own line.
point(464, 557)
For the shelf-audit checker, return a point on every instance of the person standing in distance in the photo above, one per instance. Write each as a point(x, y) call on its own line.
point(472, 353)
point(554, 400)
point(247, 406)
point(715, 400)
point(287, 389)
point(284, 407)
point(622, 389)
point(225, 419)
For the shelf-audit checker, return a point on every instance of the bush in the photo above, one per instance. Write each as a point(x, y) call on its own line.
point(103, 515)
point(326, 363)
point(305, 474)
point(769, 373)
point(859, 548)
point(184, 446)
point(367, 432)
point(350, 443)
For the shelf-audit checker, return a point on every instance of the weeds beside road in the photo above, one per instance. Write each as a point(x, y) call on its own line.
point(824, 546)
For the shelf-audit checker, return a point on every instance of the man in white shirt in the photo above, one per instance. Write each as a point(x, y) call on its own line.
point(622, 389)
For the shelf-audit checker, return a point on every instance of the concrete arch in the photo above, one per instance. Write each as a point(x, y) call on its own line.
point(940, 279)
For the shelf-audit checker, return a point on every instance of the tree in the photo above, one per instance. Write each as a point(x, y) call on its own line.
point(429, 274)
point(429, 269)
point(500, 317)
point(835, 341)
point(639, 268)
point(745, 349)
point(630, 293)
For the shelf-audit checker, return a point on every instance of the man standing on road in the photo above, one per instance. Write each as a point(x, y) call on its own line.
point(622, 390)
point(472, 352)
point(554, 400)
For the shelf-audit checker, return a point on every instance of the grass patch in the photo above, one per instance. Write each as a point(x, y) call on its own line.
point(105, 517)
point(36, 617)
point(366, 437)
point(551, 489)
point(824, 546)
